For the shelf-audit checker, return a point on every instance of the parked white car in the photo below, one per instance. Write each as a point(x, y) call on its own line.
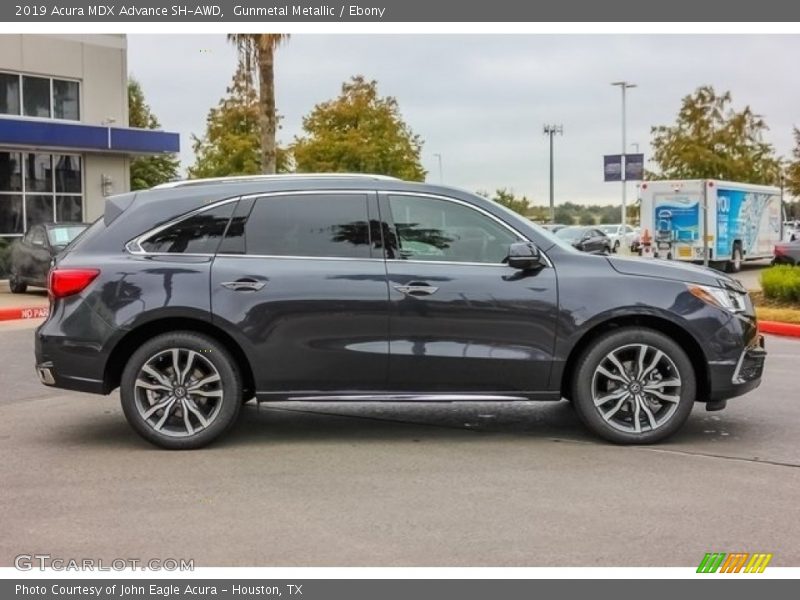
point(620, 235)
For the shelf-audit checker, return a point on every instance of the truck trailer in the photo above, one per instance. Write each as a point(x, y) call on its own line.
point(724, 221)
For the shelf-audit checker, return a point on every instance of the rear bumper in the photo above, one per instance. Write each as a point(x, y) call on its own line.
point(729, 380)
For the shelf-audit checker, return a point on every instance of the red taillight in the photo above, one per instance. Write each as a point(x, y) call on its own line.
point(65, 282)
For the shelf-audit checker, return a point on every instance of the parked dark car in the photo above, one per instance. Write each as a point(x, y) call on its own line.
point(786, 253)
point(32, 255)
point(586, 239)
point(195, 296)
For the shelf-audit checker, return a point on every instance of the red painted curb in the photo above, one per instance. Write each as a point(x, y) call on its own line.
point(30, 312)
point(778, 328)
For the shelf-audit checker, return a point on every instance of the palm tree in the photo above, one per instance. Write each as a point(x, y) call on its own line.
point(257, 52)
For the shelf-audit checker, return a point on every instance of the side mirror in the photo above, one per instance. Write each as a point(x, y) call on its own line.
point(524, 256)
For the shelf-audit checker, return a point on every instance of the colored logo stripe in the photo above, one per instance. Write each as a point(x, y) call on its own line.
point(734, 562)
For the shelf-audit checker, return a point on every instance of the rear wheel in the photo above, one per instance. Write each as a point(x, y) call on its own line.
point(181, 390)
point(15, 285)
point(634, 386)
point(735, 263)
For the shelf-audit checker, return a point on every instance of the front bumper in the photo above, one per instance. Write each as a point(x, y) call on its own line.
point(731, 380)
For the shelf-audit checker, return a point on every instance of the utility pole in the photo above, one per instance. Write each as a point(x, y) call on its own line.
point(624, 86)
point(441, 173)
point(551, 130)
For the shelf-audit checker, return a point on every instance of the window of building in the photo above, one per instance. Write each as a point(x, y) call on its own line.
point(324, 225)
point(36, 96)
point(39, 188)
point(42, 97)
point(9, 94)
point(65, 100)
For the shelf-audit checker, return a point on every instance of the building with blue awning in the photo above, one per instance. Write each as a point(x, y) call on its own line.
point(64, 140)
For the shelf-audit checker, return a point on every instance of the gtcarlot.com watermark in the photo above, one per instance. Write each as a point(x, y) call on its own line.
point(42, 562)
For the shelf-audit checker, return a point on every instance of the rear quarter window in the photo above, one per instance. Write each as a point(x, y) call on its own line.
point(200, 233)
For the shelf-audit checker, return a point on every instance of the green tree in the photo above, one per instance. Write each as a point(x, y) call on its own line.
point(257, 56)
point(712, 140)
point(359, 132)
point(564, 215)
point(793, 168)
point(147, 171)
point(587, 217)
point(232, 141)
point(507, 198)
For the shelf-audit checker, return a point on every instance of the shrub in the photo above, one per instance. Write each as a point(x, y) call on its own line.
point(781, 282)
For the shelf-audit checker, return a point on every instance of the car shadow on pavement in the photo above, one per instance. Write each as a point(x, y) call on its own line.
point(308, 423)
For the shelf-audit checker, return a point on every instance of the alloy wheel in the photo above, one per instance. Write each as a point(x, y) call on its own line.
point(178, 392)
point(636, 388)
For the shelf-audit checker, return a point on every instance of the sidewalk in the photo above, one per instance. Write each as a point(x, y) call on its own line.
point(31, 305)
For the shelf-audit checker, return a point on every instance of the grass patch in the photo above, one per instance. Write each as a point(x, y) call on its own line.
point(781, 283)
point(771, 309)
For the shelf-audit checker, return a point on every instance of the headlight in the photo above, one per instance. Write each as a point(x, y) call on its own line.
point(719, 297)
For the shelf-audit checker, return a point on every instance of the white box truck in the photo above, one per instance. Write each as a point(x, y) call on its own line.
point(743, 220)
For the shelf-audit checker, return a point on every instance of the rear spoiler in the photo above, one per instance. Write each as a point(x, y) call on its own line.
point(116, 205)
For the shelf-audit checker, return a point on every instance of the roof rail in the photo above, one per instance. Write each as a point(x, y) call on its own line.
point(254, 178)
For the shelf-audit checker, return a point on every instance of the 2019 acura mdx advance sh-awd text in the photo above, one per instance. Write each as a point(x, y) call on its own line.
point(195, 296)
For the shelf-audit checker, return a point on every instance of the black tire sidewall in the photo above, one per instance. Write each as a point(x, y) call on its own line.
point(587, 363)
point(219, 357)
point(15, 285)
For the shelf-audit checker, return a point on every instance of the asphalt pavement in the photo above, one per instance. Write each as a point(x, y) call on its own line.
point(397, 485)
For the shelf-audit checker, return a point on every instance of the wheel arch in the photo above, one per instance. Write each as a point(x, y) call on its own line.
point(663, 325)
point(128, 344)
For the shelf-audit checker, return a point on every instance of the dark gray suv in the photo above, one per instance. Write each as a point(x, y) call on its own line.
point(196, 296)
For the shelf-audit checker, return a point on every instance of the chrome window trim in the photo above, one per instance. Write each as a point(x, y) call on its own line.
point(133, 246)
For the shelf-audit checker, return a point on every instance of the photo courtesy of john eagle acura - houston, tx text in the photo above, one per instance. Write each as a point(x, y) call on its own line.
point(196, 296)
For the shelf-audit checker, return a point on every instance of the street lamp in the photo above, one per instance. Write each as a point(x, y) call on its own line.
point(624, 86)
point(551, 130)
point(441, 175)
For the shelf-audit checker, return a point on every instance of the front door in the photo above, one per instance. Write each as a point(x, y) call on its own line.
point(296, 283)
point(461, 319)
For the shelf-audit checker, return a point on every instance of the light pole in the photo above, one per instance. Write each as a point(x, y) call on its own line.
point(551, 130)
point(624, 86)
point(441, 175)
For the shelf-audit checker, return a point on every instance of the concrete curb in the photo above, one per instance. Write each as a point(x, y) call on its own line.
point(779, 328)
point(27, 312)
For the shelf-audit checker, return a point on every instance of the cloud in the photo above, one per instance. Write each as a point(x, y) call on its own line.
point(481, 101)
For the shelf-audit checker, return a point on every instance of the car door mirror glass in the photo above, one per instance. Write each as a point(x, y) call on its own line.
point(524, 255)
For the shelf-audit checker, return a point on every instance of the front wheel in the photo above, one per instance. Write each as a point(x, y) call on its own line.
point(634, 386)
point(616, 247)
point(181, 390)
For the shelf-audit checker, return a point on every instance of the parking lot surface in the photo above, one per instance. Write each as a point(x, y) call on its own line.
point(397, 485)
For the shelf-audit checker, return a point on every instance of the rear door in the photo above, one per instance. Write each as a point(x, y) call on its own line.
point(461, 319)
point(299, 284)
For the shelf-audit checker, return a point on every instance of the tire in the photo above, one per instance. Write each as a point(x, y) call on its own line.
point(735, 263)
point(616, 247)
point(16, 286)
point(218, 401)
point(617, 423)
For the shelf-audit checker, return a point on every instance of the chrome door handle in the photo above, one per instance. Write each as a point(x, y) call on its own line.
point(416, 289)
point(243, 285)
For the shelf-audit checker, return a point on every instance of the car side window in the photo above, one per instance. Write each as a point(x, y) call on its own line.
point(332, 225)
point(197, 234)
point(38, 237)
point(441, 230)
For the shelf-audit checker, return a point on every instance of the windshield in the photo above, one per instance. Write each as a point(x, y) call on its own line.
point(570, 233)
point(64, 234)
point(609, 228)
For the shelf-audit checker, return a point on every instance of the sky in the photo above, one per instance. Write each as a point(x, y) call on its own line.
point(480, 101)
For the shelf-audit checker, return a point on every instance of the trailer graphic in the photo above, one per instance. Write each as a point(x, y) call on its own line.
point(744, 221)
